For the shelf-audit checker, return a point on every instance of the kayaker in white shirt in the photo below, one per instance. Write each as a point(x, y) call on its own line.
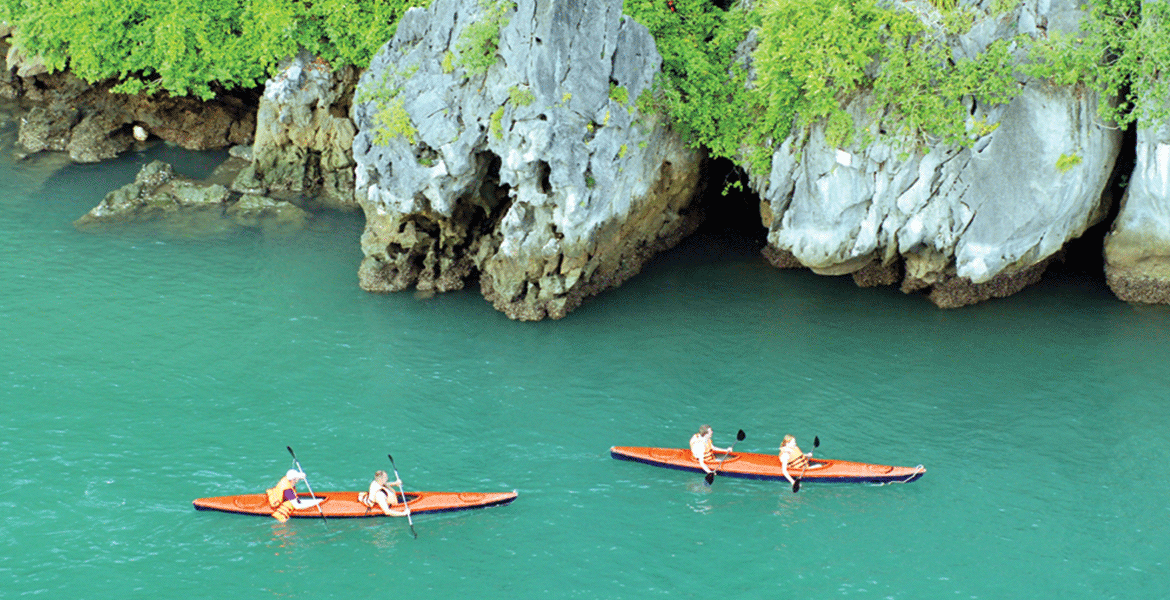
point(792, 457)
point(382, 494)
point(702, 448)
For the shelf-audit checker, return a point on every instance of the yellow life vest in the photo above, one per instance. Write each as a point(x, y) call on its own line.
point(707, 447)
point(276, 494)
point(795, 458)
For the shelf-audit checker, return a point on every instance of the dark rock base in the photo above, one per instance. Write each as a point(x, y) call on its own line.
point(1138, 288)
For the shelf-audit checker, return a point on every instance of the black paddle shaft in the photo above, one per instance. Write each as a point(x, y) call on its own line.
point(710, 478)
point(796, 484)
point(404, 504)
point(318, 504)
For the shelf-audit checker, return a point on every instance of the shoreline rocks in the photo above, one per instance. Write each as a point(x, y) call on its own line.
point(92, 124)
point(539, 179)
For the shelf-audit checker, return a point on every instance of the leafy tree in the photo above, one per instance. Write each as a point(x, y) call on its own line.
point(1121, 51)
point(814, 56)
point(196, 47)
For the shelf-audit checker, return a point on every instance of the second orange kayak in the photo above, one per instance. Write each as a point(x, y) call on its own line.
point(750, 465)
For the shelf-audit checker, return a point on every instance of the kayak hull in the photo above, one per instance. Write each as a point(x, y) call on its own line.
point(749, 465)
point(346, 505)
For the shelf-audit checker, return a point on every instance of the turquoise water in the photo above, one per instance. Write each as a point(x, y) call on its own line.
point(143, 367)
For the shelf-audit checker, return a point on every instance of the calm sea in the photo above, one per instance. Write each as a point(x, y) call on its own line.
point(143, 367)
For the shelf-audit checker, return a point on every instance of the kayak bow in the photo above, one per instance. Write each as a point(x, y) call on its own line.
point(749, 465)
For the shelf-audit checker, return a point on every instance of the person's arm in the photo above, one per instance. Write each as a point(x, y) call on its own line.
point(386, 508)
point(784, 469)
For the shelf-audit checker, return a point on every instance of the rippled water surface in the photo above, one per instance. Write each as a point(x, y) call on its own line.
point(143, 367)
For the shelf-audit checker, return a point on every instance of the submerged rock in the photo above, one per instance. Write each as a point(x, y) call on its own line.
point(537, 174)
point(260, 211)
point(966, 224)
point(158, 193)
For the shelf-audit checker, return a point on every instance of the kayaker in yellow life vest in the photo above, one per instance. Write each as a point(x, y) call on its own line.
point(382, 494)
point(792, 458)
point(702, 448)
point(283, 496)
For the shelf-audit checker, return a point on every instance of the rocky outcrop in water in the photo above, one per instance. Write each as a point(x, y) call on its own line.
point(1137, 249)
point(964, 224)
point(538, 174)
point(304, 138)
point(158, 193)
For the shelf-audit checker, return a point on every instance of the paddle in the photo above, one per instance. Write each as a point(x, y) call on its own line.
point(318, 504)
point(710, 478)
point(796, 484)
point(404, 503)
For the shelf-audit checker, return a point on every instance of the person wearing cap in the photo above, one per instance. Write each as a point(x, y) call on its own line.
point(382, 494)
point(792, 458)
point(702, 448)
point(282, 497)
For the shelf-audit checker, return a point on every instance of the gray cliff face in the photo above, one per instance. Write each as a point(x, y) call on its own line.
point(1137, 249)
point(968, 224)
point(304, 137)
point(533, 175)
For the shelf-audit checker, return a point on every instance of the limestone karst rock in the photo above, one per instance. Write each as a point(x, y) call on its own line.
point(967, 224)
point(1137, 249)
point(538, 174)
point(304, 137)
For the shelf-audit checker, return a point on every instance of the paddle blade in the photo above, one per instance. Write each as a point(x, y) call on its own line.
point(294, 455)
point(710, 478)
point(816, 441)
point(796, 486)
point(739, 436)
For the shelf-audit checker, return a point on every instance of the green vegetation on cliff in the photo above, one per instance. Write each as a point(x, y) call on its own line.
point(735, 81)
point(807, 61)
point(1122, 51)
point(477, 46)
point(195, 47)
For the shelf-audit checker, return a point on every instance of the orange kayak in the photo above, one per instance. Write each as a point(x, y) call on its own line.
point(748, 465)
point(346, 504)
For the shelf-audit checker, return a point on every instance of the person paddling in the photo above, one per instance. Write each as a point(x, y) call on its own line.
point(382, 494)
point(282, 497)
point(792, 458)
point(702, 448)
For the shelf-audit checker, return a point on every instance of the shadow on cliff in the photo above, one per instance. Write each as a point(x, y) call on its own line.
point(732, 228)
point(1082, 262)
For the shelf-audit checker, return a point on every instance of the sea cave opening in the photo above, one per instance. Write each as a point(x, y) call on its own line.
point(731, 223)
point(1082, 260)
